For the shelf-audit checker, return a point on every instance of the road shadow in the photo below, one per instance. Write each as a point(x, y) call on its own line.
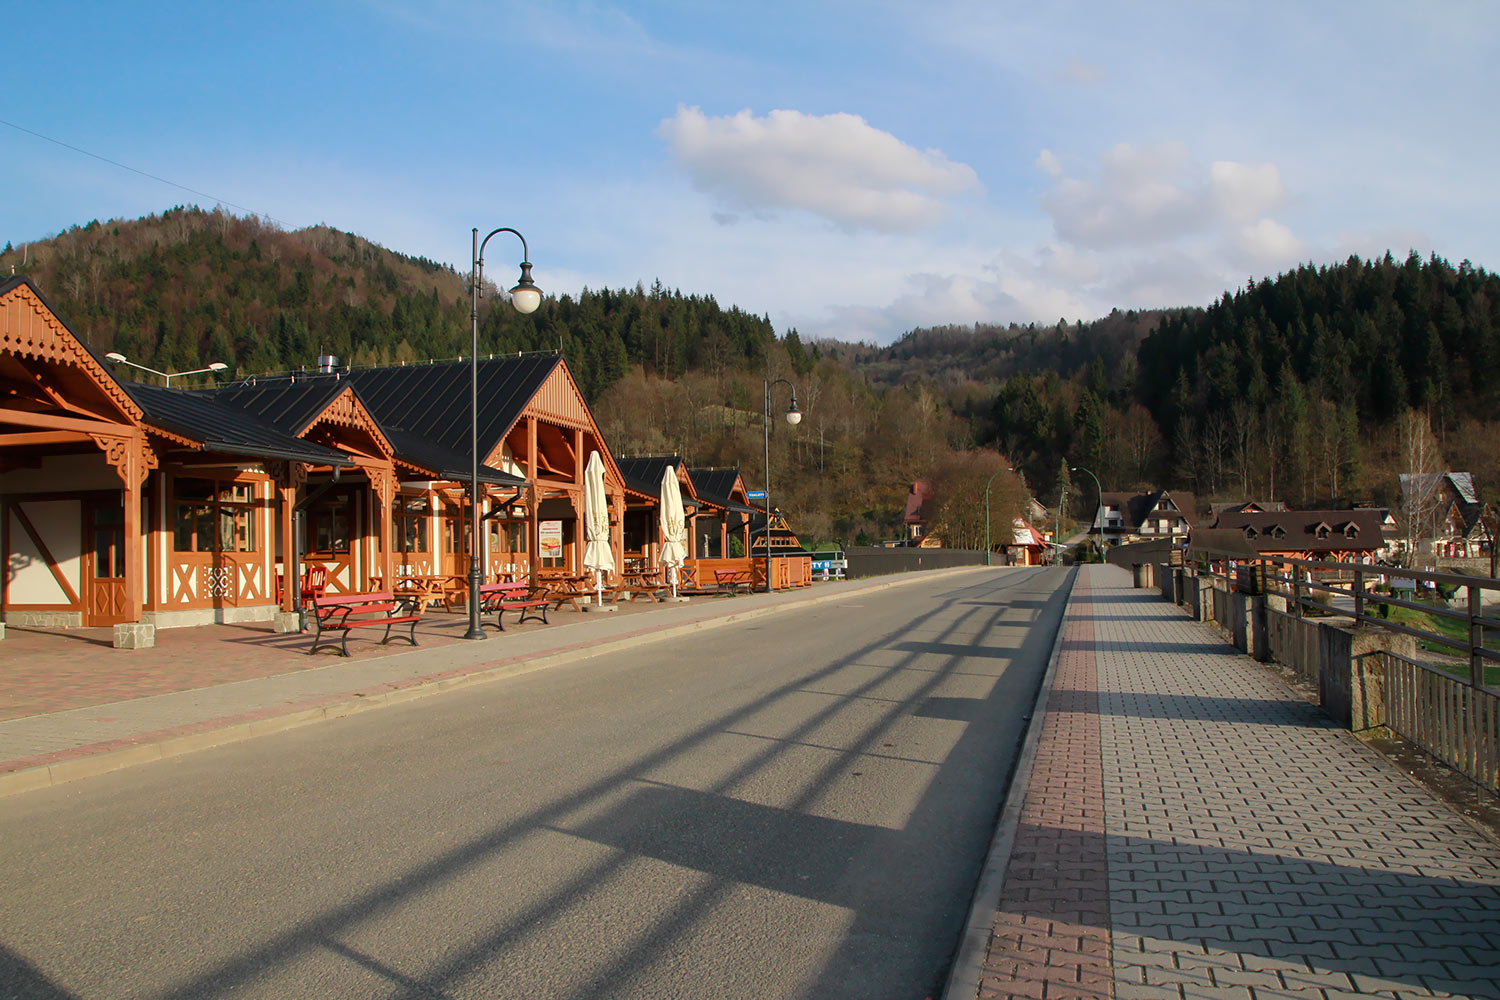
point(21, 980)
point(907, 938)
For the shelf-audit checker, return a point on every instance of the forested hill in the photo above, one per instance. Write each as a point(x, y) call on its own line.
point(1286, 389)
point(1376, 334)
point(174, 290)
point(992, 353)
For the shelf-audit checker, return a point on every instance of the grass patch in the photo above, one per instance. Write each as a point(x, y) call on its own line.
point(1452, 628)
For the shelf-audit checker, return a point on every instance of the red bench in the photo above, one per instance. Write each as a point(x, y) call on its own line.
point(732, 580)
point(503, 597)
point(344, 612)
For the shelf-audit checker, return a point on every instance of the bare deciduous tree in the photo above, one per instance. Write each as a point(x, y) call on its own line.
point(1421, 482)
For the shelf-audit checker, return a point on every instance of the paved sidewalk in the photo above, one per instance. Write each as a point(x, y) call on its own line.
point(207, 686)
point(1191, 828)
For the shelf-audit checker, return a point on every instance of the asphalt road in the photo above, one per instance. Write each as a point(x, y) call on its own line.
point(797, 806)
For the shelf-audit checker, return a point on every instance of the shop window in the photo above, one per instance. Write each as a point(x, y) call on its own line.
point(210, 515)
point(709, 539)
point(328, 525)
point(411, 524)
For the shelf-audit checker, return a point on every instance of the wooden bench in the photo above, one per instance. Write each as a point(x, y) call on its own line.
point(344, 612)
point(732, 580)
point(503, 597)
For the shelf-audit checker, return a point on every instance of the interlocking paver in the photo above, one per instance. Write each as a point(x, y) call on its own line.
point(1250, 847)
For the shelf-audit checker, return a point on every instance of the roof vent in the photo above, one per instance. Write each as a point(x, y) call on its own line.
point(327, 363)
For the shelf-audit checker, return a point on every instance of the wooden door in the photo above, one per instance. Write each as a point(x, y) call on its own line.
point(104, 566)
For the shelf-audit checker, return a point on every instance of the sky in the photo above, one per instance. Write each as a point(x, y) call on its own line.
point(849, 169)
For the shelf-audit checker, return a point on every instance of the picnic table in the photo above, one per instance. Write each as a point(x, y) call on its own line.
point(638, 583)
point(428, 588)
point(567, 588)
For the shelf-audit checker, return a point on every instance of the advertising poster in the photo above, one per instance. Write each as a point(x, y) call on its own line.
point(551, 539)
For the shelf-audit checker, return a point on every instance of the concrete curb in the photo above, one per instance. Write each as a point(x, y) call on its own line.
point(968, 963)
point(231, 729)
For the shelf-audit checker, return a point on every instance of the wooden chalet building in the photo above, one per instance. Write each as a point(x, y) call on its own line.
point(137, 506)
point(642, 531)
point(1246, 537)
point(1145, 516)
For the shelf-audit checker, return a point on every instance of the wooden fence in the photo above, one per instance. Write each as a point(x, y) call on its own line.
point(1449, 718)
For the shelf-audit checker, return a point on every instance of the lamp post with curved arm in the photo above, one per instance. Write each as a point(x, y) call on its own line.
point(120, 359)
point(987, 513)
point(1098, 507)
point(793, 417)
point(525, 297)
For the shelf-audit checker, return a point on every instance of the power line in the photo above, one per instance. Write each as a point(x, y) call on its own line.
point(162, 180)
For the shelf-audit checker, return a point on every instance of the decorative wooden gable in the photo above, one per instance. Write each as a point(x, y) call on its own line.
point(45, 368)
point(347, 425)
point(559, 409)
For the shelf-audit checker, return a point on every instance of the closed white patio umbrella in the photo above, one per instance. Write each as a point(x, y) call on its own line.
point(673, 525)
point(597, 554)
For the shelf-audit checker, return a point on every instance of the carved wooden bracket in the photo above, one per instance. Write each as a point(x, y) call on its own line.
point(132, 458)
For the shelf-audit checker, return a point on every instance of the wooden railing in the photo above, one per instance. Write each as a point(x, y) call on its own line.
point(1452, 715)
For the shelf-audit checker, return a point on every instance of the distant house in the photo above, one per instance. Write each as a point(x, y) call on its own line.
point(1341, 535)
point(1449, 511)
point(914, 520)
point(1126, 517)
point(1028, 547)
point(1244, 507)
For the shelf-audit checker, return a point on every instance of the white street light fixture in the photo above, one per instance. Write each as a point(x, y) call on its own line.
point(793, 417)
point(120, 359)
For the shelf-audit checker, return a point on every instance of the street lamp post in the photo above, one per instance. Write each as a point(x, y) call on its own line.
point(1098, 507)
point(793, 417)
point(987, 513)
point(525, 297)
point(120, 359)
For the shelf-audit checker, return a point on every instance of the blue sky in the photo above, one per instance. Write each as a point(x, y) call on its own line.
point(850, 169)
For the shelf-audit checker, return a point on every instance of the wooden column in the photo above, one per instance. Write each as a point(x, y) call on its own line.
point(132, 459)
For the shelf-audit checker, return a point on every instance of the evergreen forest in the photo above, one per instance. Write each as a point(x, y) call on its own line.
point(1291, 388)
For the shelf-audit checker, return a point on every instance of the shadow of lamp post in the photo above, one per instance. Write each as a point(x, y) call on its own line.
point(793, 417)
point(525, 297)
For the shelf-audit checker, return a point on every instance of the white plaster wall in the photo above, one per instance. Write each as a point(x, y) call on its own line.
point(63, 473)
point(59, 523)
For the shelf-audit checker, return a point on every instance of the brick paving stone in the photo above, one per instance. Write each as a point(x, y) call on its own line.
point(1251, 848)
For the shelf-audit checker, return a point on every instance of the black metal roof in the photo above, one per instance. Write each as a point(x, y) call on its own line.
point(291, 404)
point(433, 400)
point(714, 486)
point(413, 449)
point(643, 474)
point(224, 427)
point(423, 410)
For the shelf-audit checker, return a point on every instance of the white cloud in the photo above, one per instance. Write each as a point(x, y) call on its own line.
point(1246, 191)
point(1268, 243)
point(1048, 163)
point(1140, 195)
point(836, 166)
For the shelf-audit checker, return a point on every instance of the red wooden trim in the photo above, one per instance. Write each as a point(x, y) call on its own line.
point(46, 553)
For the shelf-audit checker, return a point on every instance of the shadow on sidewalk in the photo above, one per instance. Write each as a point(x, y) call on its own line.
point(1197, 708)
point(1401, 928)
